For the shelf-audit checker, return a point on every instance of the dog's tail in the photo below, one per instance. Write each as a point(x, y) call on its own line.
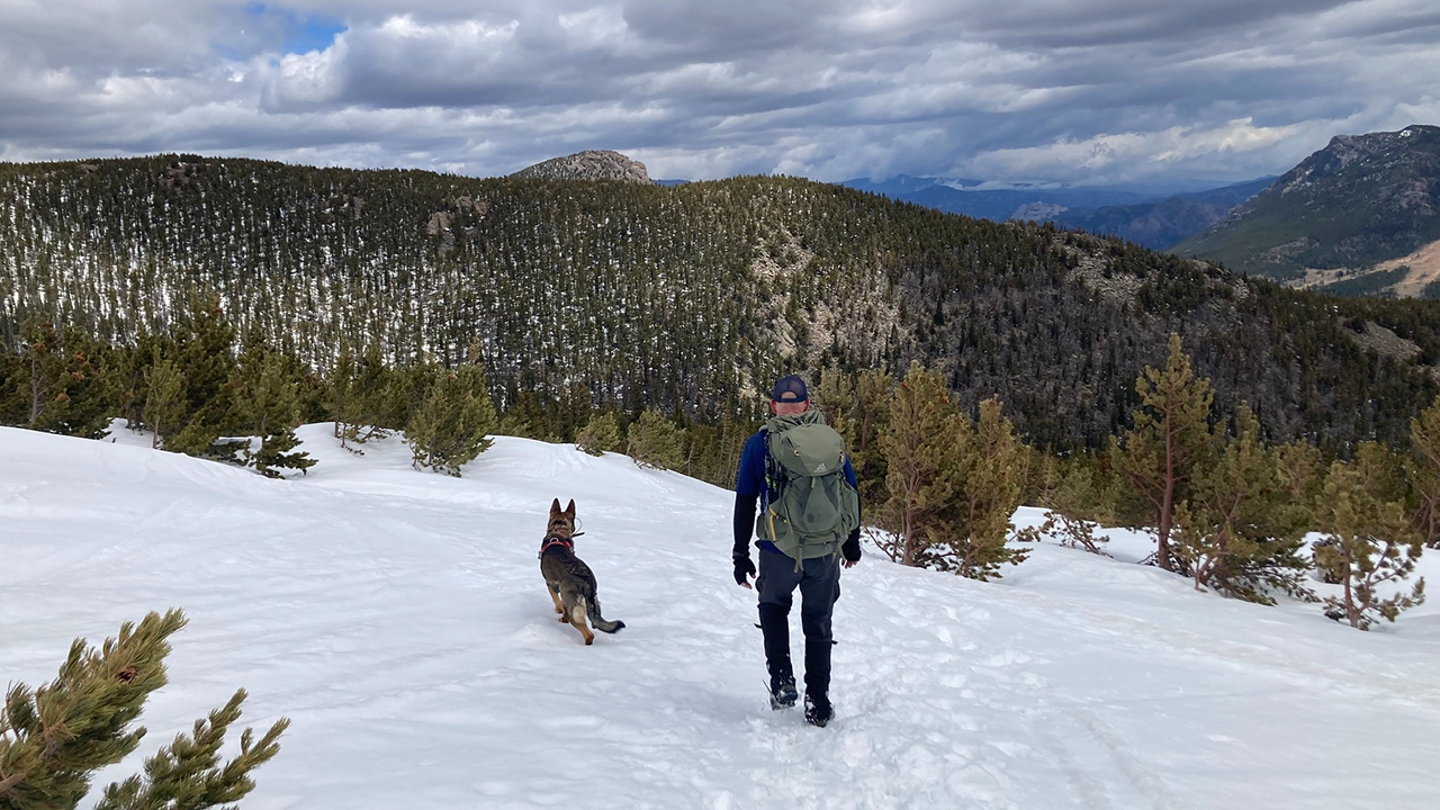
point(599, 621)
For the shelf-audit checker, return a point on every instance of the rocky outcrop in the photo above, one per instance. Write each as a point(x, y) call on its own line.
point(589, 165)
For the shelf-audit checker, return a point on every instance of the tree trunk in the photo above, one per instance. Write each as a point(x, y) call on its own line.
point(1167, 503)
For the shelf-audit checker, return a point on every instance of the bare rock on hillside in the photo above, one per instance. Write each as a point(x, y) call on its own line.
point(593, 164)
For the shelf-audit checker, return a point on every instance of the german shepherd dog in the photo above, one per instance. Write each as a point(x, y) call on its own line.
point(570, 581)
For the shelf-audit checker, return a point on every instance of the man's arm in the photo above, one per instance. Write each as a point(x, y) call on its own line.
point(749, 480)
point(744, 523)
point(850, 549)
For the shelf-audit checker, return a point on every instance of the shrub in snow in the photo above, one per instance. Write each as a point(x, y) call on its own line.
point(1371, 542)
point(1070, 498)
point(600, 435)
point(450, 427)
point(1238, 533)
point(655, 442)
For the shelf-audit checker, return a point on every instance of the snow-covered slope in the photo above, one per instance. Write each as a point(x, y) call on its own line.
point(400, 619)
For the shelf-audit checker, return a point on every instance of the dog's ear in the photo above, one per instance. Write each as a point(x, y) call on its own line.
point(555, 507)
point(569, 510)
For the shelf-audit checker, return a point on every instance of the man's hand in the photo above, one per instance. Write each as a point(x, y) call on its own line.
point(850, 550)
point(744, 569)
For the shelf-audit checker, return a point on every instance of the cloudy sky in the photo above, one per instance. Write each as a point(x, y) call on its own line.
point(1085, 91)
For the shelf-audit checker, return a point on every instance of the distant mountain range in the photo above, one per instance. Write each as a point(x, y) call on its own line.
point(1149, 219)
point(1359, 217)
point(1162, 223)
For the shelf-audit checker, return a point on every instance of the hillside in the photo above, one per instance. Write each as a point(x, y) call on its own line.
point(693, 297)
point(400, 620)
point(1359, 203)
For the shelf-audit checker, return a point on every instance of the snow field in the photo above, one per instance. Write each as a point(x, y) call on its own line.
point(400, 619)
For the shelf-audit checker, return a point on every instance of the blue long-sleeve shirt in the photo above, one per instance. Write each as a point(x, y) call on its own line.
point(750, 483)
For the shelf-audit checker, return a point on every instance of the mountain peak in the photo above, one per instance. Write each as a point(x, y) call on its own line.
point(1362, 201)
point(593, 164)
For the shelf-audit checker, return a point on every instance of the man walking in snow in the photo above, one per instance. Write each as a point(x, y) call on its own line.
point(809, 520)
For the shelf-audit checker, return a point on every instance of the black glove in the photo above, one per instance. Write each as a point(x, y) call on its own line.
point(744, 567)
point(850, 549)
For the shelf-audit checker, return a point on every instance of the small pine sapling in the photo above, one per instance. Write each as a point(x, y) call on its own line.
point(600, 435)
point(655, 443)
point(452, 425)
point(1238, 533)
point(1371, 544)
point(1071, 497)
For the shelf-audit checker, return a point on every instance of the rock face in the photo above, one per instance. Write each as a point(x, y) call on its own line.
point(1360, 201)
point(589, 165)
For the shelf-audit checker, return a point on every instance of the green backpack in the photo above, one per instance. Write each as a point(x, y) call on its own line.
point(811, 508)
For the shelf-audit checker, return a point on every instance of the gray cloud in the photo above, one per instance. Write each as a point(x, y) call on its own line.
point(1073, 90)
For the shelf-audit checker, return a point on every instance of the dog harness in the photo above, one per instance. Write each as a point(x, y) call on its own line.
point(552, 540)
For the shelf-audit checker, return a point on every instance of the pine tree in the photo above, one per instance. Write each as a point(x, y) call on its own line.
point(1073, 503)
point(988, 480)
point(600, 435)
point(204, 355)
point(53, 739)
point(1171, 435)
point(451, 425)
point(1238, 533)
point(269, 403)
point(1370, 540)
point(655, 443)
point(165, 406)
point(921, 448)
point(341, 390)
point(1423, 467)
point(85, 386)
point(132, 375)
point(835, 397)
point(12, 402)
point(43, 373)
point(394, 395)
point(378, 399)
point(526, 418)
point(873, 389)
point(573, 410)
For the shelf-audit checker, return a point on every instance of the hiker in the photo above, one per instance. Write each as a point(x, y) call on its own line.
point(809, 519)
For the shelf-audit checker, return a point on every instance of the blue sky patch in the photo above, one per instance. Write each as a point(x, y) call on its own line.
point(297, 33)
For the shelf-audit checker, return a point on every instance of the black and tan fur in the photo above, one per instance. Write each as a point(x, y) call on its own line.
point(569, 580)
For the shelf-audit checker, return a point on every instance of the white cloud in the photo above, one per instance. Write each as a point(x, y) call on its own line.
point(1009, 89)
point(1129, 155)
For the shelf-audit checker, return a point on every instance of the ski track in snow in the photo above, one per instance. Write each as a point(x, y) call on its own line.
point(400, 619)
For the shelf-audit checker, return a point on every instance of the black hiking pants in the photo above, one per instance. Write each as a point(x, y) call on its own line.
point(819, 583)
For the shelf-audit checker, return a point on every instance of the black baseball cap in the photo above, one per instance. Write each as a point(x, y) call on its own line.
point(790, 389)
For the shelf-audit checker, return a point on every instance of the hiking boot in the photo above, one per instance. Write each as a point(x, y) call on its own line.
point(782, 692)
point(818, 710)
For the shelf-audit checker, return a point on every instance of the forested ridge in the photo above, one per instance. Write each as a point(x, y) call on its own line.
point(690, 298)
